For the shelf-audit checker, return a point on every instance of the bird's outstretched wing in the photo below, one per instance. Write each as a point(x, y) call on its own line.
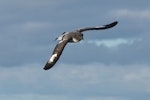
point(56, 54)
point(99, 27)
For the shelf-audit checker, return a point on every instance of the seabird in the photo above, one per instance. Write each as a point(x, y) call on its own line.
point(73, 37)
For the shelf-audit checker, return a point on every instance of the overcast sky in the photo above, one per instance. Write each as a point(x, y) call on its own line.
point(111, 64)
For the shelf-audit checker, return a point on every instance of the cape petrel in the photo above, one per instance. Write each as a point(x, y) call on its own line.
point(73, 37)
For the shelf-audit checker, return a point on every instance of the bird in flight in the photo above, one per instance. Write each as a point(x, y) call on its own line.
point(73, 37)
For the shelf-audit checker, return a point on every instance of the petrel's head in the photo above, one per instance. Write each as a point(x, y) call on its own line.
point(81, 36)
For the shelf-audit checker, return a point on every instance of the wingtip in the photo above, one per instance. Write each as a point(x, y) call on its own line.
point(112, 24)
point(115, 22)
point(47, 66)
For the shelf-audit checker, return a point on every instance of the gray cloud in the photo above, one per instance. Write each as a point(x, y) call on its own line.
point(78, 81)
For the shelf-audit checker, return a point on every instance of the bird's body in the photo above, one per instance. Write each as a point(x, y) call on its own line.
point(73, 37)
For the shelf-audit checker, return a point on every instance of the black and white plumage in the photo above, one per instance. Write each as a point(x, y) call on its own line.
point(74, 36)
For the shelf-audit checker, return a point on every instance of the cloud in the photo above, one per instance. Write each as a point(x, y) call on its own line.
point(35, 25)
point(105, 98)
point(110, 82)
point(133, 14)
point(33, 97)
point(53, 97)
point(110, 43)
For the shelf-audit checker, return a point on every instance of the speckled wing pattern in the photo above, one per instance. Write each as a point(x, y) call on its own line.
point(56, 54)
point(99, 27)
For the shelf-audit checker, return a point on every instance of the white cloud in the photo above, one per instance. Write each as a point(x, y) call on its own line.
point(53, 97)
point(113, 42)
point(32, 97)
point(35, 25)
point(134, 14)
point(105, 98)
point(30, 25)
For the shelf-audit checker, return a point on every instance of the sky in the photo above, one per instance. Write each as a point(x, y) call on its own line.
point(110, 64)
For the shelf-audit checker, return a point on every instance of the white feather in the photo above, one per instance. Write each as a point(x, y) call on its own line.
point(52, 58)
